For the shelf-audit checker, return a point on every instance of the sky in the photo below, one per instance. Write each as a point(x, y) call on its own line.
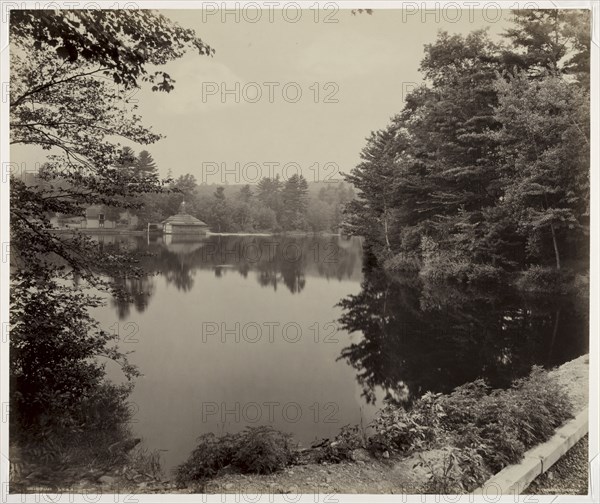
point(283, 97)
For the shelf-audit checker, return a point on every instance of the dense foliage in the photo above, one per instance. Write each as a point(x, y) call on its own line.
point(121, 44)
point(56, 371)
point(500, 424)
point(63, 103)
point(343, 446)
point(463, 437)
point(71, 75)
point(486, 169)
point(503, 424)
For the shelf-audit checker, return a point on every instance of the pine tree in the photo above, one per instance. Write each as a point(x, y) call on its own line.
point(294, 194)
point(550, 39)
point(145, 165)
point(268, 192)
point(126, 160)
point(246, 194)
point(220, 212)
point(372, 213)
point(484, 167)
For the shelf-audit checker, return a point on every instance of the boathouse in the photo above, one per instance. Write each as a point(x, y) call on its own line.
point(184, 223)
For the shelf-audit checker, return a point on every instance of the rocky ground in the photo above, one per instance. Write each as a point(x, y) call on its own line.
point(365, 474)
point(569, 476)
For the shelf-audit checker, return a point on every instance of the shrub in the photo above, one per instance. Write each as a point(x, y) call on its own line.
point(483, 273)
point(459, 470)
point(56, 377)
point(95, 438)
point(350, 438)
point(263, 450)
point(145, 461)
point(502, 424)
point(208, 458)
point(479, 429)
point(407, 431)
point(402, 263)
point(542, 279)
point(540, 405)
point(453, 266)
point(460, 405)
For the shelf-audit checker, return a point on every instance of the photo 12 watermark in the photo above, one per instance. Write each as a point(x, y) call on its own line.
point(269, 332)
point(269, 92)
point(268, 412)
point(271, 11)
point(251, 172)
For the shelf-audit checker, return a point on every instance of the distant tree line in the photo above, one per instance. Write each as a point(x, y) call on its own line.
point(486, 169)
point(271, 205)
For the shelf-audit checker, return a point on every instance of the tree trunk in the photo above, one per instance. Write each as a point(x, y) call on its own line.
point(556, 254)
point(385, 225)
point(554, 333)
point(554, 243)
point(385, 229)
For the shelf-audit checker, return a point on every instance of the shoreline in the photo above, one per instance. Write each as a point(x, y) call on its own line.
point(366, 473)
point(134, 232)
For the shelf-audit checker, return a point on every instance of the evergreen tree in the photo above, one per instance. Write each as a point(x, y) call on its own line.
point(220, 215)
point(484, 169)
point(245, 194)
point(126, 160)
point(145, 165)
point(372, 213)
point(268, 191)
point(295, 203)
point(550, 39)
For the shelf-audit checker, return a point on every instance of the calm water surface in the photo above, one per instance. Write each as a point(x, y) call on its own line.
point(295, 332)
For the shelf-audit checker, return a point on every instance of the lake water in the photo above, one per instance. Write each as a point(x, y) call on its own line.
point(295, 332)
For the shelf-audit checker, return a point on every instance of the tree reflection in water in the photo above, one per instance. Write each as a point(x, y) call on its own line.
point(275, 260)
point(412, 337)
point(418, 338)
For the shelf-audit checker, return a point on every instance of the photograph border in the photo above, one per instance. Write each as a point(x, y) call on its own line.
point(594, 313)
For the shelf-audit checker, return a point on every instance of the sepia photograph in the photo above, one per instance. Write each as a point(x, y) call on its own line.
point(299, 251)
